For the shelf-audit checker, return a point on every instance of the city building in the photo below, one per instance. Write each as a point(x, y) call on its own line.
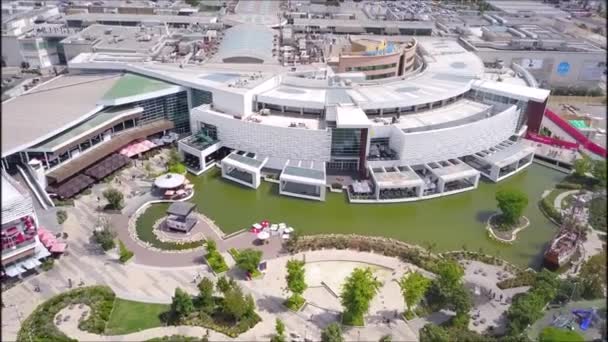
point(21, 247)
point(429, 133)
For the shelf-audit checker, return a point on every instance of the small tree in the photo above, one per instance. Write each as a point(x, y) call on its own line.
point(124, 253)
point(105, 237)
point(386, 338)
point(181, 304)
point(296, 283)
point(211, 246)
point(357, 292)
point(174, 157)
point(332, 333)
point(599, 171)
point(205, 288)
point(434, 333)
point(512, 204)
point(582, 165)
point(248, 260)
point(225, 284)
point(62, 216)
point(236, 304)
point(413, 286)
point(280, 332)
point(114, 197)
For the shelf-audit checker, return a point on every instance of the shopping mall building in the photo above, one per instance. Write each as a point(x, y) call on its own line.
point(431, 128)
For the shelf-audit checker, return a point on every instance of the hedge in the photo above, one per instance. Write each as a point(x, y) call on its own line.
point(40, 325)
point(125, 254)
point(525, 278)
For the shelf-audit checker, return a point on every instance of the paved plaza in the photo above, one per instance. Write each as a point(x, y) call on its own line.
point(152, 276)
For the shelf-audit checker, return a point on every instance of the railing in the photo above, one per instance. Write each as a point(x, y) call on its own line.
point(584, 142)
point(551, 141)
point(527, 76)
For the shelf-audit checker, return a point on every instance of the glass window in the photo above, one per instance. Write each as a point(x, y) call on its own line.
point(345, 142)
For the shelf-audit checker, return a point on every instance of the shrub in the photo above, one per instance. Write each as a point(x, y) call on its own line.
point(214, 259)
point(114, 197)
point(47, 264)
point(63, 203)
point(597, 213)
point(525, 278)
point(177, 168)
point(248, 260)
point(550, 210)
point(336, 186)
point(125, 254)
point(39, 326)
point(105, 238)
point(62, 215)
point(568, 186)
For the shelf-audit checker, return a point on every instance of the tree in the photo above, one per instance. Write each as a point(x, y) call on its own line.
point(357, 292)
point(224, 284)
point(114, 198)
point(248, 260)
point(599, 171)
point(211, 246)
point(512, 204)
point(434, 333)
point(181, 304)
point(174, 157)
point(62, 216)
point(296, 282)
point(280, 332)
point(205, 288)
point(593, 276)
point(236, 304)
point(413, 287)
point(332, 333)
point(105, 237)
point(386, 338)
point(582, 165)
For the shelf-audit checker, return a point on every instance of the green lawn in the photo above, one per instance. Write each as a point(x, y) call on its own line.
point(128, 317)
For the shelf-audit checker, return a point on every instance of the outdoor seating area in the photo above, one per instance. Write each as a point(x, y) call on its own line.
point(21, 233)
point(264, 230)
point(453, 175)
point(49, 241)
point(137, 147)
point(243, 168)
point(179, 217)
point(306, 180)
point(392, 183)
point(107, 166)
point(502, 160)
point(173, 186)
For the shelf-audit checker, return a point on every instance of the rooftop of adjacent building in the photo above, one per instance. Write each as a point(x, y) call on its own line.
point(120, 38)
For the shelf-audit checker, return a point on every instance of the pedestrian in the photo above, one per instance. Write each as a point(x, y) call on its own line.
point(501, 297)
point(70, 283)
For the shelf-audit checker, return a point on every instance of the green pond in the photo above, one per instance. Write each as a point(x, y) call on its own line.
point(450, 222)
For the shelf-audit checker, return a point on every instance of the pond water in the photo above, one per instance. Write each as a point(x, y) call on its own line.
point(451, 222)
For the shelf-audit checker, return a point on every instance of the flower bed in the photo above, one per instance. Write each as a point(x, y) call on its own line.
point(525, 278)
point(216, 261)
point(386, 246)
point(39, 326)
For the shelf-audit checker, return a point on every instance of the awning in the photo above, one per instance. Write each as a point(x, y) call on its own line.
point(58, 247)
point(137, 148)
point(72, 186)
point(107, 166)
point(30, 264)
point(105, 148)
point(13, 270)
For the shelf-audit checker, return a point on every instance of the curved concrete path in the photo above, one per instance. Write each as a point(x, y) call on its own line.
point(557, 203)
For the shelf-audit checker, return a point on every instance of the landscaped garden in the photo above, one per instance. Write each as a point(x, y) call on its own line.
point(145, 225)
point(232, 313)
point(450, 222)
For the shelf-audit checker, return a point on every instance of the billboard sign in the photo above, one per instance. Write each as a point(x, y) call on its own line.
point(563, 68)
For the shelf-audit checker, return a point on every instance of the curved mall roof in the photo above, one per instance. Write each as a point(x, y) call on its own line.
point(247, 41)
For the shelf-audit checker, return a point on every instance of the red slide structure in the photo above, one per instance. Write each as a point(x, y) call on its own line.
point(581, 140)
